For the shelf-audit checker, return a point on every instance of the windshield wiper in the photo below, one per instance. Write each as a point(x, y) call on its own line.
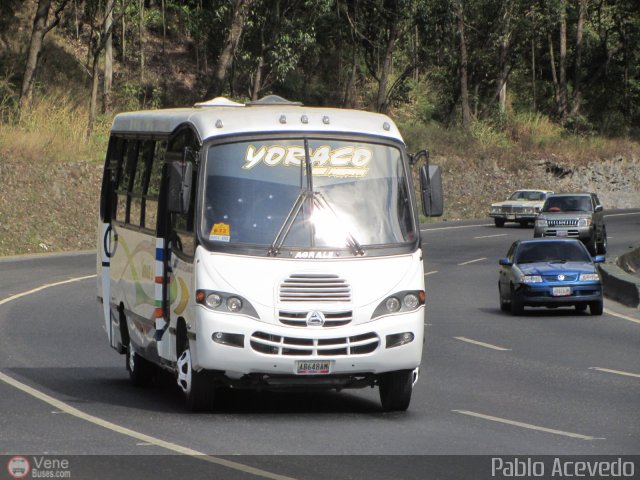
point(557, 261)
point(274, 249)
point(319, 201)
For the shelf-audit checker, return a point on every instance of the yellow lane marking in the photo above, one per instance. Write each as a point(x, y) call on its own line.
point(146, 439)
point(616, 372)
point(472, 261)
point(482, 344)
point(619, 315)
point(527, 425)
point(48, 285)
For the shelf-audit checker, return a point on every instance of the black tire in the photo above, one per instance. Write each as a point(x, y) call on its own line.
point(139, 368)
point(523, 224)
point(517, 307)
point(395, 390)
point(504, 305)
point(499, 222)
point(581, 307)
point(198, 387)
point(602, 245)
point(596, 308)
point(591, 245)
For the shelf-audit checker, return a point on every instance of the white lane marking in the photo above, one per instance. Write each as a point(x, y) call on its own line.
point(616, 372)
point(621, 214)
point(454, 228)
point(619, 315)
point(482, 344)
point(472, 261)
point(48, 285)
point(431, 273)
point(497, 235)
point(137, 435)
point(528, 425)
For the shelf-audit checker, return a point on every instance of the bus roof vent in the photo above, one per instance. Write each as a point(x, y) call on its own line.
point(219, 102)
point(271, 100)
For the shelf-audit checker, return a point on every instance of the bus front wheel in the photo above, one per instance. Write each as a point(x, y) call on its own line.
point(198, 387)
point(395, 390)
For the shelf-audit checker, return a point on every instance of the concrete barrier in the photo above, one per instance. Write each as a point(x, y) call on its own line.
point(620, 285)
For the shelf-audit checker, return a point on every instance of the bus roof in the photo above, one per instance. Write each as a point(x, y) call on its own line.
point(220, 117)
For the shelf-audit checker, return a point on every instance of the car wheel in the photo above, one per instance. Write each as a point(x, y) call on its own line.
point(602, 246)
point(517, 307)
point(499, 222)
point(395, 390)
point(591, 245)
point(596, 308)
point(504, 305)
point(140, 369)
point(198, 387)
point(524, 224)
point(581, 307)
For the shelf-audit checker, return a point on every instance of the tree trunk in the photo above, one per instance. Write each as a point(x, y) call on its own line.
point(577, 94)
point(95, 80)
point(554, 74)
point(464, 89)
point(562, 67)
point(164, 27)
point(381, 98)
point(257, 79)
point(141, 37)
point(108, 58)
point(124, 32)
point(505, 44)
point(35, 47)
point(533, 73)
point(230, 46)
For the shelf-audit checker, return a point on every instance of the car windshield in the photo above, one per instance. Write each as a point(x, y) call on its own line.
point(549, 251)
point(568, 204)
point(527, 195)
point(260, 193)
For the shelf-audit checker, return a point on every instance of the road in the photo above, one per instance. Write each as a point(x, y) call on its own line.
point(552, 382)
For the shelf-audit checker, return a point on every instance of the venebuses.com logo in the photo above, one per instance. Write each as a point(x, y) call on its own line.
point(38, 467)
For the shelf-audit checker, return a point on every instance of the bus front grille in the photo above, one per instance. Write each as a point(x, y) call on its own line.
point(270, 344)
point(309, 287)
point(299, 319)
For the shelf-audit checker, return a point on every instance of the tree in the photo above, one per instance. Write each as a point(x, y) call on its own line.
point(236, 27)
point(464, 88)
point(108, 57)
point(40, 29)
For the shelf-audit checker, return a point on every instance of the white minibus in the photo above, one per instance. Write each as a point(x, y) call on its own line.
point(265, 245)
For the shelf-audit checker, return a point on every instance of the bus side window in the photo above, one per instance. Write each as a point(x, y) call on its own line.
point(110, 178)
point(152, 192)
point(125, 184)
point(182, 234)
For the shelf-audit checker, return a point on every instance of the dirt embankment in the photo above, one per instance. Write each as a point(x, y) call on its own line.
point(47, 207)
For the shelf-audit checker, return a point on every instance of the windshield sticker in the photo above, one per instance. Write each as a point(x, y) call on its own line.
point(340, 162)
point(220, 232)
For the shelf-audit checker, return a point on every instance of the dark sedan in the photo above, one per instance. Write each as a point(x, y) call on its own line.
point(549, 273)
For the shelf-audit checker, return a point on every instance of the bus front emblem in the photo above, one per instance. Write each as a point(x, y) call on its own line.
point(315, 319)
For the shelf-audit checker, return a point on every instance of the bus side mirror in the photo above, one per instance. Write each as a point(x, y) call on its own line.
point(431, 190)
point(180, 177)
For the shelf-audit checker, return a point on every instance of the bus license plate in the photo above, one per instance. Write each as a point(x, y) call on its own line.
point(313, 367)
point(561, 291)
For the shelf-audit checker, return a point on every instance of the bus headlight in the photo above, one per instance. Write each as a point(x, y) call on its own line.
point(234, 304)
point(225, 303)
point(400, 302)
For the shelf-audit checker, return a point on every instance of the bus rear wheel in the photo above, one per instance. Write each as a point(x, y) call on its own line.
point(395, 390)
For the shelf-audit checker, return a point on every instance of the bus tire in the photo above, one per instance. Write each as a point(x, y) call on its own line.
point(140, 369)
point(395, 390)
point(198, 387)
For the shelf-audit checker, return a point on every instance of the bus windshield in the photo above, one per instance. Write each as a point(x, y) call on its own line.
point(260, 193)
